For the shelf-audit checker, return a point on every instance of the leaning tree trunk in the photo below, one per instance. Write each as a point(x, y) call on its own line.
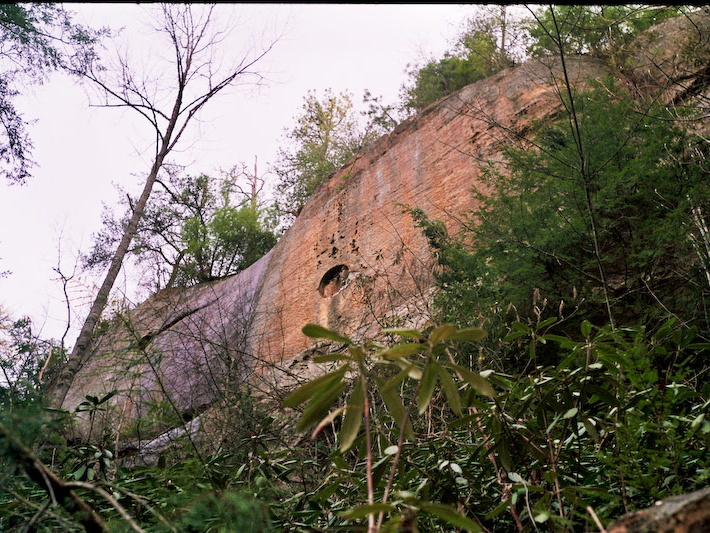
point(189, 38)
point(77, 357)
point(60, 387)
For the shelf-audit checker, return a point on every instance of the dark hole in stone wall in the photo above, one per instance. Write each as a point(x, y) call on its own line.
point(333, 281)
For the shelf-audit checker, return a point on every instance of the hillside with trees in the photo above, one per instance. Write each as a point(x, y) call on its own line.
point(556, 378)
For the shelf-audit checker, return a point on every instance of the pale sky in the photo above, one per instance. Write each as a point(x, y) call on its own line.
point(81, 151)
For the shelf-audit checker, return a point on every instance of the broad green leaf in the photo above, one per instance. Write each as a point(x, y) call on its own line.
point(697, 421)
point(402, 350)
point(469, 335)
point(340, 463)
point(320, 404)
point(79, 472)
point(451, 515)
point(353, 417)
point(411, 369)
point(395, 406)
point(570, 413)
point(513, 335)
point(441, 333)
point(356, 353)
point(591, 429)
point(108, 396)
point(480, 384)
point(564, 342)
point(368, 509)
point(515, 477)
point(603, 395)
point(319, 332)
point(586, 328)
point(326, 492)
point(411, 333)
point(504, 452)
point(379, 469)
point(391, 450)
point(451, 391)
point(307, 390)
point(547, 322)
point(426, 390)
point(522, 328)
point(328, 420)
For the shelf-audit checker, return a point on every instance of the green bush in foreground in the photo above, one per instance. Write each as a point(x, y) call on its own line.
point(616, 422)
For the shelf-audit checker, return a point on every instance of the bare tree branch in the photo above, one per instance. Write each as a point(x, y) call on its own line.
point(193, 40)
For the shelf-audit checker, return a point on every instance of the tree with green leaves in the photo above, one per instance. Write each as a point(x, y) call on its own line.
point(598, 30)
point(378, 418)
point(427, 437)
point(195, 229)
point(327, 133)
point(599, 205)
point(488, 43)
point(35, 40)
point(192, 35)
point(601, 213)
point(499, 36)
point(22, 357)
point(229, 241)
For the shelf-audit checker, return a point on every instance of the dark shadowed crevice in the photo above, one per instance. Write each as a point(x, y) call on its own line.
point(333, 281)
point(145, 341)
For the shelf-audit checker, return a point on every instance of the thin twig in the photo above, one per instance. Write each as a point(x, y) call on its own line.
point(596, 519)
point(368, 463)
point(110, 499)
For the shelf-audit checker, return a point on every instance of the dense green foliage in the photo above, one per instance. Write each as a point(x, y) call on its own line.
point(586, 29)
point(563, 384)
point(486, 46)
point(22, 355)
point(599, 220)
point(327, 134)
point(196, 229)
point(539, 445)
point(497, 37)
